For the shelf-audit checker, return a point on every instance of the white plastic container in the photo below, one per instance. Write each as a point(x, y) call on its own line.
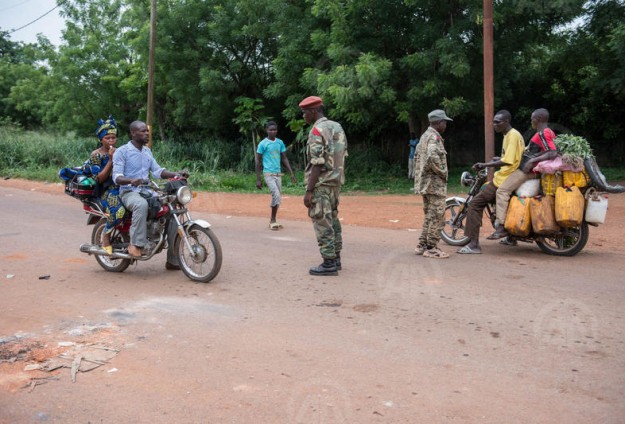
point(596, 208)
point(529, 188)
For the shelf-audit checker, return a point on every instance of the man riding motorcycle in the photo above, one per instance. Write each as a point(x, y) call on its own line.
point(132, 164)
point(511, 153)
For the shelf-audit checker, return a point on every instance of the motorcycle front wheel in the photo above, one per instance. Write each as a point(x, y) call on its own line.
point(118, 240)
point(454, 234)
point(202, 261)
point(567, 242)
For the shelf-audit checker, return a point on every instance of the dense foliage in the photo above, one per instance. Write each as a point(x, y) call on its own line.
point(225, 67)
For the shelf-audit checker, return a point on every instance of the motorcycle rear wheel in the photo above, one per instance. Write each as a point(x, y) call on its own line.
point(454, 234)
point(117, 240)
point(203, 262)
point(568, 242)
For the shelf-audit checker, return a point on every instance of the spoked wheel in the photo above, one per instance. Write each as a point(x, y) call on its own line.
point(118, 240)
point(201, 261)
point(453, 233)
point(567, 242)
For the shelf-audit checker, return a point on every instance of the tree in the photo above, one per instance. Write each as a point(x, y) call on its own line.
point(385, 62)
point(93, 67)
point(587, 76)
point(209, 53)
point(250, 119)
point(18, 72)
point(379, 65)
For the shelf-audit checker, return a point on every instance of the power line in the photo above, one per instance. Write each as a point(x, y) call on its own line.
point(32, 22)
point(15, 5)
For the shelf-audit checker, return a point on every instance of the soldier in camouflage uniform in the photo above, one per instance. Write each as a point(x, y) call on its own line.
point(430, 181)
point(324, 175)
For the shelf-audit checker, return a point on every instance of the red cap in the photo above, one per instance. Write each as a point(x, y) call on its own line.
point(311, 102)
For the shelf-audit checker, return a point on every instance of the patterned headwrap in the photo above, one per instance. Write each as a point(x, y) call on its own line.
point(106, 127)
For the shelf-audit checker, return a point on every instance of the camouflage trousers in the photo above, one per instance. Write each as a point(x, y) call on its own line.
point(434, 210)
point(324, 214)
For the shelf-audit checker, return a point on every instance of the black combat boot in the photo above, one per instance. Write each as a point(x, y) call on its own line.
point(337, 262)
point(328, 267)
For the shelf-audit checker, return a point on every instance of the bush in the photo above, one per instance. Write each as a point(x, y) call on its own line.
point(215, 165)
point(26, 150)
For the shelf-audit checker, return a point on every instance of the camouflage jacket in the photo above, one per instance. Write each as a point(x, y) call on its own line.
point(327, 147)
point(430, 162)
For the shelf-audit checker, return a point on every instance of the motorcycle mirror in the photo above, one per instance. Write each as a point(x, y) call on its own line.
point(466, 179)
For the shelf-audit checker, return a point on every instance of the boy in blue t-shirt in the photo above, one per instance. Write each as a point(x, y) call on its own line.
point(268, 155)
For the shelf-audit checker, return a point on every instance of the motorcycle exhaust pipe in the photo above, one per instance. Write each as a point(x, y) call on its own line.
point(118, 255)
point(94, 249)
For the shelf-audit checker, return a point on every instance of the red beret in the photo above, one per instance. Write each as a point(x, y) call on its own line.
point(311, 102)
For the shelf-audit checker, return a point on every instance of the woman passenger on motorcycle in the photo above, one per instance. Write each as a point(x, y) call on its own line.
point(106, 189)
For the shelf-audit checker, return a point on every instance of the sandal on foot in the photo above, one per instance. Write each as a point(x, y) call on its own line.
point(108, 249)
point(498, 234)
point(468, 250)
point(274, 226)
point(436, 253)
point(508, 241)
point(134, 251)
point(420, 249)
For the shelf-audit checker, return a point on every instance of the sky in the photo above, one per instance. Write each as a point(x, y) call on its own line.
point(16, 13)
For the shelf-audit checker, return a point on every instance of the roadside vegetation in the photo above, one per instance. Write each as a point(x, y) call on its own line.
point(224, 68)
point(214, 165)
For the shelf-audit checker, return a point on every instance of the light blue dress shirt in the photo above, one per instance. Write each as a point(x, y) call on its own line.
point(128, 161)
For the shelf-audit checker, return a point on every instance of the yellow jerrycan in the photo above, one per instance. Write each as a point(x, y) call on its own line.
point(569, 206)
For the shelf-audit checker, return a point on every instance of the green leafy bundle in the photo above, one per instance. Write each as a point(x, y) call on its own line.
point(573, 149)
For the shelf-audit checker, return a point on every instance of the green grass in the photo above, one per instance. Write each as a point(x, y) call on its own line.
point(214, 165)
point(614, 174)
point(238, 182)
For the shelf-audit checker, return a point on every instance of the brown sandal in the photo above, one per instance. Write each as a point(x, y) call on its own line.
point(436, 253)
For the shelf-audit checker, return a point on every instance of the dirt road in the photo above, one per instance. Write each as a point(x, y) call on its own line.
point(512, 335)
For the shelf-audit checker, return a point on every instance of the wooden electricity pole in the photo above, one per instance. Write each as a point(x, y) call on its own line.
point(489, 95)
point(150, 106)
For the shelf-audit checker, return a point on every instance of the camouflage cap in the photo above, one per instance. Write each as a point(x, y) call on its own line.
point(438, 115)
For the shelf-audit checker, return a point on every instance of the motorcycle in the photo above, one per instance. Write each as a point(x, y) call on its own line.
point(195, 245)
point(568, 241)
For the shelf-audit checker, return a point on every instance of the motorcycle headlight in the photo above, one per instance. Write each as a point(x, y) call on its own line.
point(184, 195)
point(466, 179)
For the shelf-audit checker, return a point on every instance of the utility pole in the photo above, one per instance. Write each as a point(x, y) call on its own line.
point(489, 95)
point(150, 106)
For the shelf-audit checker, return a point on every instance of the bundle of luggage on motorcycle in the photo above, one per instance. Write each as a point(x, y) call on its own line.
point(554, 210)
point(195, 246)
